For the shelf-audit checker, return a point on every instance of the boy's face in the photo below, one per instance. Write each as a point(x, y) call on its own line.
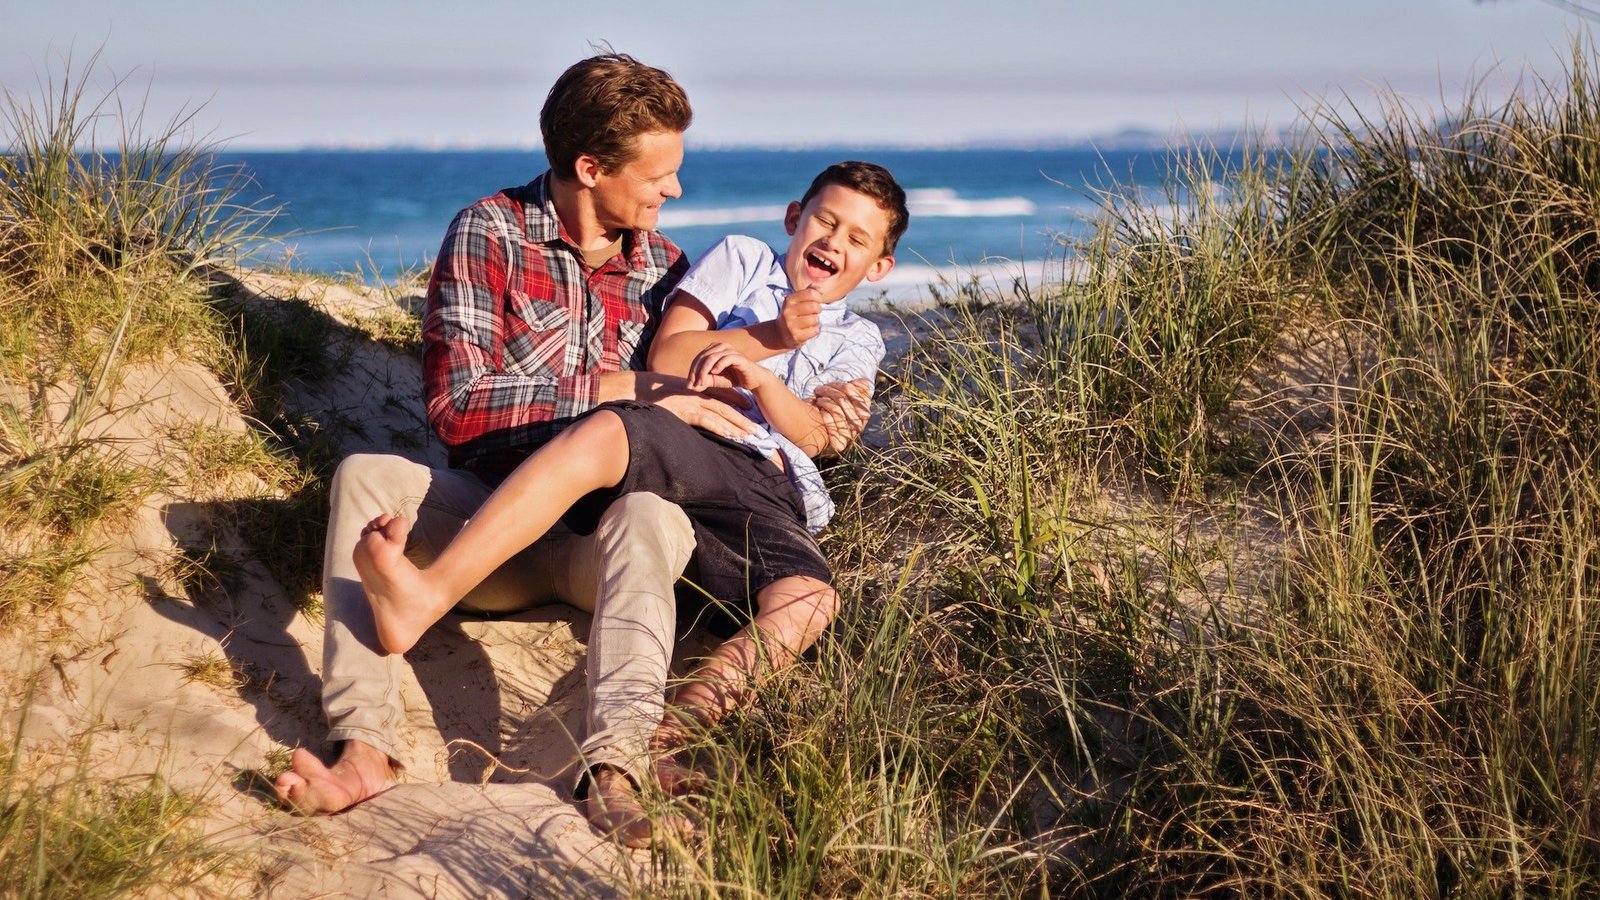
point(837, 240)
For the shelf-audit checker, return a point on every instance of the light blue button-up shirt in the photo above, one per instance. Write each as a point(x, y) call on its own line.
point(741, 282)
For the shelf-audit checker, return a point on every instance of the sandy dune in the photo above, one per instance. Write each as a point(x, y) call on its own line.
point(491, 703)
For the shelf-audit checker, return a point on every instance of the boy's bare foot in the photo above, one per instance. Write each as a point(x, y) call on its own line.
point(612, 807)
point(313, 789)
point(677, 779)
point(401, 602)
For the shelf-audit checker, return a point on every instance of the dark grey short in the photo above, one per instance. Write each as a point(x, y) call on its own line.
point(749, 522)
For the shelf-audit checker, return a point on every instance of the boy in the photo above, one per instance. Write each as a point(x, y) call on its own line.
point(753, 501)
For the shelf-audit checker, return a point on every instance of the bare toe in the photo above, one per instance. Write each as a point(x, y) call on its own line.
point(311, 788)
point(396, 529)
point(612, 807)
point(677, 779)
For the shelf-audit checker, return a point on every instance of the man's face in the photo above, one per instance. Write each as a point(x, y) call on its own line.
point(631, 196)
point(837, 241)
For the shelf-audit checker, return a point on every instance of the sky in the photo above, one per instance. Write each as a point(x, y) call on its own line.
point(375, 73)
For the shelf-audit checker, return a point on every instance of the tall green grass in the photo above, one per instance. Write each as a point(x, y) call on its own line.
point(1117, 624)
point(105, 246)
point(108, 245)
point(95, 228)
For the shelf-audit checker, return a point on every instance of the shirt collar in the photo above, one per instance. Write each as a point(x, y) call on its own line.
point(545, 226)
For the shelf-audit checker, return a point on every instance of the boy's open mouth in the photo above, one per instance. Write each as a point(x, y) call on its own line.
point(820, 263)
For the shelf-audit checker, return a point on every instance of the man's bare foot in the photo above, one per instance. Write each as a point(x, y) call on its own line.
point(402, 603)
point(612, 807)
point(313, 789)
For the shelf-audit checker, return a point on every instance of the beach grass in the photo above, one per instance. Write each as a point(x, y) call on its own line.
point(68, 830)
point(107, 248)
point(1258, 561)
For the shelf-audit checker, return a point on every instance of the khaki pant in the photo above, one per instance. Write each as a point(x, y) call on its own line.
point(623, 574)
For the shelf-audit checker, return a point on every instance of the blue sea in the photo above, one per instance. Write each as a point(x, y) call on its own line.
point(974, 213)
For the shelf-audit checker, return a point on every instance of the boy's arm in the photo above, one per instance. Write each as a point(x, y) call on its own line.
point(688, 328)
point(842, 391)
point(721, 365)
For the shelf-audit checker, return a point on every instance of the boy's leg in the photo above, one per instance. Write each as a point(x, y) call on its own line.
point(406, 601)
point(792, 614)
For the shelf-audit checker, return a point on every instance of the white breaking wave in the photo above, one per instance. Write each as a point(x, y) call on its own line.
point(673, 217)
point(942, 203)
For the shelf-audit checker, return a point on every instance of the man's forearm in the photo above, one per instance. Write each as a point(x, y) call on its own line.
point(618, 386)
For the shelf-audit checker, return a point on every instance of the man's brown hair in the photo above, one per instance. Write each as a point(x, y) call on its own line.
point(874, 181)
point(600, 106)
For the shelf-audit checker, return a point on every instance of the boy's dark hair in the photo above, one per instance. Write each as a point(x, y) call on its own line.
point(874, 181)
point(601, 105)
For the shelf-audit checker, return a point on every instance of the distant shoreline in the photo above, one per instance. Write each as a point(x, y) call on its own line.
point(1122, 140)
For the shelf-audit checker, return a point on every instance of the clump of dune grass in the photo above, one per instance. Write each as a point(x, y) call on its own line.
point(1117, 624)
point(90, 235)
point(115, 238)
point(58, 484)
point(106, 242)
point(110, 244)
point(67, 832)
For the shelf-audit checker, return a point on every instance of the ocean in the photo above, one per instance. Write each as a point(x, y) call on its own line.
point(993, 215)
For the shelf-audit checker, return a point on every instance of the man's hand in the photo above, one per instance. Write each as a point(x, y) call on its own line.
point(721, 366)
point(713, 410)
point(801, 319)
point(845, 407)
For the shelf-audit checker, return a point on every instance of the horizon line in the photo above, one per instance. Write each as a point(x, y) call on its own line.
point(1133, 137)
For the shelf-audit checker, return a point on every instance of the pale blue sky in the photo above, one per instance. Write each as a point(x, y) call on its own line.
point(381, 72)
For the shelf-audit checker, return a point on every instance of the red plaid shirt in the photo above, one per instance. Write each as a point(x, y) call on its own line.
point(516, 335)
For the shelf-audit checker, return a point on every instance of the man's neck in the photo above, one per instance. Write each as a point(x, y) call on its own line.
point(575, 208)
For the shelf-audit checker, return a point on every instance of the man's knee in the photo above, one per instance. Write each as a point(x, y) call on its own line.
point(645, 523)
point(373, 474)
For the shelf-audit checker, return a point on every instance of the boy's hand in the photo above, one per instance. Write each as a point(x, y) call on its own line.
point(845, 407)
point(721, 366)
point(714, 410)
point(801, 319)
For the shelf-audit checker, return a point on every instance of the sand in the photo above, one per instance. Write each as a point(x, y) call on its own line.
point(493, 704)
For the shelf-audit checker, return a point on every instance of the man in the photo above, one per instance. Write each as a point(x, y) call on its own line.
point(541, 306)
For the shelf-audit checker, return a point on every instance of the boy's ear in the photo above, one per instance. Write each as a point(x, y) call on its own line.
point(791, 218)
point(588, 170)
point(883, 266)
